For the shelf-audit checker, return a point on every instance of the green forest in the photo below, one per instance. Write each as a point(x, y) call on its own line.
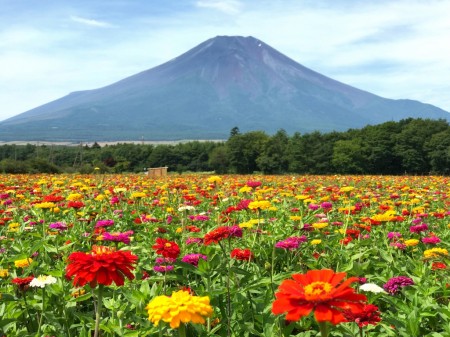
point(410, 146)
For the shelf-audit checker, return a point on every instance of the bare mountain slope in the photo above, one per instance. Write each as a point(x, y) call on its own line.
point(224, 82)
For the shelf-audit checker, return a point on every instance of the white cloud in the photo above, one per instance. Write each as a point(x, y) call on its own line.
point(395, 48)
point(226, 6)
point(90, 22)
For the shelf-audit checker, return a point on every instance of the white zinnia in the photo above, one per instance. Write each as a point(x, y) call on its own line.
point(186, 208)
point(42, 280)
point(372, 287)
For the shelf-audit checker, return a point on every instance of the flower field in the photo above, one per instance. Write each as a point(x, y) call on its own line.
point(200, 255)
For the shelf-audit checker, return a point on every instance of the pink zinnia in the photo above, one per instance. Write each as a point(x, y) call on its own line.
point(291, 243)
point(117, 237)
point(104, 223)
point(432, 240)
point(395, 284)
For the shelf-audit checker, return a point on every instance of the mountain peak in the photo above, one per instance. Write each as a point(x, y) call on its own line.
point(224, 82)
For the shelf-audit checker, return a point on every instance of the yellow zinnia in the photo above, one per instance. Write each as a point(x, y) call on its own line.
point(214, 179)
point(138, 195)
point(74, 197)
point(319, 225)
point(45, 205)
point(316, 242)
point(435, 252)
point(263, 204)
point(4, 273)
point(23, 263)
point(411, 242)
point(245, 189)
point(181, 307)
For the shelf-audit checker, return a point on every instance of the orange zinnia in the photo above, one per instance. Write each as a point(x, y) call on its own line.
point(321, 291)
point(103, 265)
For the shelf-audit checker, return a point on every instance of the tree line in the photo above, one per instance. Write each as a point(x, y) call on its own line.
point(410, 146)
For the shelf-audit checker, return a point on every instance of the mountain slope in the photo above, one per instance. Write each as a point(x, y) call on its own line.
point(203, 93)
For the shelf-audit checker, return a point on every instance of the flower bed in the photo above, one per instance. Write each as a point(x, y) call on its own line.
point(195, 255)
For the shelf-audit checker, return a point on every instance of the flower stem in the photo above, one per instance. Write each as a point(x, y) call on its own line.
point(182, 330)
point(98, 310)
point(361, 332)
point(42, 314)
point(323, 327)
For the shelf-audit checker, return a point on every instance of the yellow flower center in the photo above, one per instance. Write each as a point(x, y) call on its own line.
point(317, 291)
point(101, 250)
point(168, 245)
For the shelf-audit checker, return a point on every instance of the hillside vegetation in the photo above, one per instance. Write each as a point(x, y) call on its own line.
point(410, 146)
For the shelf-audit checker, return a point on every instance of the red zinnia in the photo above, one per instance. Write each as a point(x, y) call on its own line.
point(242, 254)
point(216, 235)
point(438, 265)
point(221, 233)
point(321, 291)
point(53, 198)
point(369, 315)
point(22, 282)
point(166, 248)
point(102, 266)
point(75, 204)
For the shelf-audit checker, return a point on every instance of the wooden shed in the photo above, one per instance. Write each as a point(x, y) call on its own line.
point(155, 172)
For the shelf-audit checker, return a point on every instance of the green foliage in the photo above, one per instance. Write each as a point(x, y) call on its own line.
point(414, 146)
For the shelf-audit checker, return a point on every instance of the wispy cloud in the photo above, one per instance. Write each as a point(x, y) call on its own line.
point(392, 48)
point(226, 6)
point(90, 22)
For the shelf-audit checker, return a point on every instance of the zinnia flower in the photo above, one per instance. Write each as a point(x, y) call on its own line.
point(104, 223)
point(396, 283)
point(320, 290)
point(411, 242)
point(291, 243)
point(164, 264)
point(4, 273)
point(42, 280)
point(435, 252)
point(61, 226)
point(242, 254)
point(221, 233)
point(369, 315)
point(394, 235)
point(438, 265)
point(263, 204)
point(253, 183)
point(166, 248)
point(75, 204)
point(117, 237)
point(181, 307)
point(45, 205)
point(432, 240)
point(371, 287)
point(193, 259)
point(103, 265)
point(22, 282)
point(23, 263)
point(418, 228)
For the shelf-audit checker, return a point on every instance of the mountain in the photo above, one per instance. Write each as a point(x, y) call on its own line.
point(224, 82)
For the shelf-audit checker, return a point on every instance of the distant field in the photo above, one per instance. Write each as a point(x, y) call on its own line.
point(149, 142)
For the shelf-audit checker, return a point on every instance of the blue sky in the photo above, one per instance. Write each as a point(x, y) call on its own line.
point(392, 48)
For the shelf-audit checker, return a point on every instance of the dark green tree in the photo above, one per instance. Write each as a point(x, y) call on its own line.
point(244, 149)
point(349, 156)
point(410, 144)
point(438, 151)
point(274, 159)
